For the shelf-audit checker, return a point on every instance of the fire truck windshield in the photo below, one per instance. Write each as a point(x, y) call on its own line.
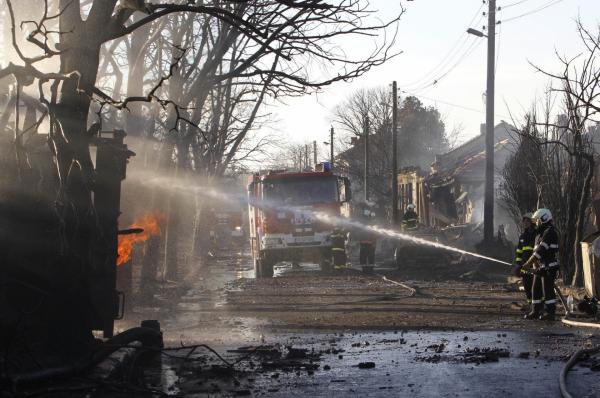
point(302, 191)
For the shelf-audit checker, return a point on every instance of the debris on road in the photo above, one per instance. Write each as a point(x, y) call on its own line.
point(366, 365)
point(470, 355)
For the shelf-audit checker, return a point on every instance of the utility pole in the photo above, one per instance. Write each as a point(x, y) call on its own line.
point(488, 205)
point(331, 147)
point(315, 159)
point(366, 176)
point(395, 154)
point(306, 156)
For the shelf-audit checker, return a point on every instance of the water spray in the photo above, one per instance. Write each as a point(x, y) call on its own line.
point(319, 215)
point(397, 235)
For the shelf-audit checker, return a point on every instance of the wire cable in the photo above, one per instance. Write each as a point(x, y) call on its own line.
point(472, 47)
point(444, 102)
point(534, 11)
point(516, 3)
point(451, 104)
point(498, 36)
point(456, 48)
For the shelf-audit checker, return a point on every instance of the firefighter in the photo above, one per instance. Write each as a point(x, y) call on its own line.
point(410, 219)
point(544, 263)
point(367, 241)
point(338, 248)
point(523, 253)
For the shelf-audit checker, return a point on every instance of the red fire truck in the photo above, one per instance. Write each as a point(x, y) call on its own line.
point(281, 212)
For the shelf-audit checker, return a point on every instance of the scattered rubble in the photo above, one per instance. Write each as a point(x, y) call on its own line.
point(470, 355)
point(366, 365)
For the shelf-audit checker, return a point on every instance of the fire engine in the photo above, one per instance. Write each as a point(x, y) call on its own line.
point(282, 208)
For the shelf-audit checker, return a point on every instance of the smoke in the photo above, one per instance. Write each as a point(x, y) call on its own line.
point(214, 193)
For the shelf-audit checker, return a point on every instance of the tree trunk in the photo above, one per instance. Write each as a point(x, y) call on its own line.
point(171, 261)
point(198, 234)
point(78, 255)
point(583, 205)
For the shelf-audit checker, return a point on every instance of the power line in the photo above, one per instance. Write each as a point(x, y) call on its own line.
point(458, 46)
point(444, 102)
point(535, 10)
point(450, 104)
point(514, 4)
point(498, 46)
point(472, 47)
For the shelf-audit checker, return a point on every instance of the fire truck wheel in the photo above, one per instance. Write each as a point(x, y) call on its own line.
point(263, 269)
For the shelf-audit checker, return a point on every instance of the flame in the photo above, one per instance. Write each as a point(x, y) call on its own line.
point(150, 224)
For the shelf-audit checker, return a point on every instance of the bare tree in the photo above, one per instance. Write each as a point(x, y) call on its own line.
point(421, 136)
point(201, 100)
point(563, 168)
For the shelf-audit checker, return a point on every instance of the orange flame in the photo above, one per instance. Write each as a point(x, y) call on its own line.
point(150, 224)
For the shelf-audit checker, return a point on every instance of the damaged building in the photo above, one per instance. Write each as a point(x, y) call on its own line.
point(450, 195)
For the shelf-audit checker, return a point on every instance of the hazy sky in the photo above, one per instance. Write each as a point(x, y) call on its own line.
point(429, 30)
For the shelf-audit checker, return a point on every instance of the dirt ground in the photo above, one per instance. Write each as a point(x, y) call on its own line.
point(448, 330)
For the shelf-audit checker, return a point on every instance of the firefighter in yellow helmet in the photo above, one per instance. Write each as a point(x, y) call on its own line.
point(367, 240)
point(338, 248)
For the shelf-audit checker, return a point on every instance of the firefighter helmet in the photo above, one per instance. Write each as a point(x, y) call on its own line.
point(543, 215)
point(410, 206)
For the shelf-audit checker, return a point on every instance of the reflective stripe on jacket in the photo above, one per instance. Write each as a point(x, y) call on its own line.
point(546, 247)
point(525, 246)
point(338, 241)
point(410, 219)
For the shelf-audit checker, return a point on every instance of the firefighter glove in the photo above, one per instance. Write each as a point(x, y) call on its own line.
point(517, 270)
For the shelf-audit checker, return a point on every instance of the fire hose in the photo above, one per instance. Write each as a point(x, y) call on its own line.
point(147, 336)
point(572, 361)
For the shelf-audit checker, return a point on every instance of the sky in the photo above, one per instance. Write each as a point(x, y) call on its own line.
point(432, 29)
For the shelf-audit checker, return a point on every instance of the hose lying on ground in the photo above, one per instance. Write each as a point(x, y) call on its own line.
point(572, 361)
point(146, 336)
point(578, 323)
point(412, 290)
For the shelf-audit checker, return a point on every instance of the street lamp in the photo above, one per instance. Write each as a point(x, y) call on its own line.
point(476, 32)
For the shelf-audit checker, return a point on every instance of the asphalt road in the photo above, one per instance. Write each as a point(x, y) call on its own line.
point(304, 333)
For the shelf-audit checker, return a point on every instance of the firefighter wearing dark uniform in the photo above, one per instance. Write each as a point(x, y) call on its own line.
point(410, 219)
point(523, 253)
point(367, 241)
point(338, 248)
point(545, 267)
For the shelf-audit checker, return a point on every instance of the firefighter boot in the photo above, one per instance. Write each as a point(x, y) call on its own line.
point(536, 311)
point(550, 313)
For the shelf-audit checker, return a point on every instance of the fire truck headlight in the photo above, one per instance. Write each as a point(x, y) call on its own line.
point(238, 228)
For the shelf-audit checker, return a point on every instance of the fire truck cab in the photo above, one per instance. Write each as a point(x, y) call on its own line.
point(283, 226)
